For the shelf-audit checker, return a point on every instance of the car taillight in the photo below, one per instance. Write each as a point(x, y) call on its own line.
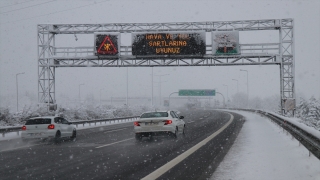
point(166, 122)
point(136, 123)
point(51, 126)
point(24, 128)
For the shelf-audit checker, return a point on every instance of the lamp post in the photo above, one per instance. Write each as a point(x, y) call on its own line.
point(160, 84)
point(224, 103)
point(170, 96)
point(127, 89)
point(151, 86)
point(17, 90)
point(247, 87)
point(237, 102)
point(79, 92)
point(227, 92)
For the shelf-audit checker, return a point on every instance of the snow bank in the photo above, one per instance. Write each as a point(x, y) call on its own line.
point(263, 151)
point(297, 122)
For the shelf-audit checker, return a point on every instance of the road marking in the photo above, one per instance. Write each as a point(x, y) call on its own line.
point(115, 130)
point(190, 121)
point(163, 169)
point(114, 143)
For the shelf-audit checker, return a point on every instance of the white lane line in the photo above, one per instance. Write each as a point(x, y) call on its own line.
point(190, 121)
point(157, 173)
point(115, 130)
point(114, 143)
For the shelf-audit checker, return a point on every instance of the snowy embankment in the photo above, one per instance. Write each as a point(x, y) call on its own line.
point(297, 122)
point(264, 151)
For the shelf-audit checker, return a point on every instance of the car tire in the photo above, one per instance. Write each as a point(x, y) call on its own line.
point(175, 134)
point(57, 137)
point(184, 132)
point(138, 137)
point(74, 135)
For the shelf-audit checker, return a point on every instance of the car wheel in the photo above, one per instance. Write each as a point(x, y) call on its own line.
point(138, 137)
point(57, 138)
point(175, 134)
point(74, 135)
point(184, 132)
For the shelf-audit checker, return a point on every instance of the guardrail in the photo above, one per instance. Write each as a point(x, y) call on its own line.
point(311, 142)
point(3, 131)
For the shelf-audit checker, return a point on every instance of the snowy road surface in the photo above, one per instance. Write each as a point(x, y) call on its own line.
point(111, 152)
point(263, 151)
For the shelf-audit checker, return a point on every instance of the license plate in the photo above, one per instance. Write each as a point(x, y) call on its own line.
point(151, 123)
point(35, 134)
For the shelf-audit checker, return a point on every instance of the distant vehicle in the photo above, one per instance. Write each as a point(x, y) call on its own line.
point(159, 123)
point(48, 127)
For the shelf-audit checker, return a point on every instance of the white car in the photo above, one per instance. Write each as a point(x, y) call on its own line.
point(48, 127)
point(159, 123)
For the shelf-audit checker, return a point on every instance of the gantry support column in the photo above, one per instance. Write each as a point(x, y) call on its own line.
point(46, 72)
point(287, 67)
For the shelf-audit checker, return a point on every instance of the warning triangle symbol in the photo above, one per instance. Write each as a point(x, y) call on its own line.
point(107, 47)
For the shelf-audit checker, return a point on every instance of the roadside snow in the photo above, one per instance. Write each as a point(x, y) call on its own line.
point(264, 151)
point(297, 122)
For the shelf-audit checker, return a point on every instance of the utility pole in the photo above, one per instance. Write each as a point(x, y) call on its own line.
point(227, 92)
point(160, 85)
point(151, 86)
point(127, 88)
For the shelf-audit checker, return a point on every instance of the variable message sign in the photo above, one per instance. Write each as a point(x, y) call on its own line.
point(107, 44)
point(225, 42)
point(169, 43)
point(197, 92)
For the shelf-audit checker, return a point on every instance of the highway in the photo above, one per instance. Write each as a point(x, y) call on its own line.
point(111, 152)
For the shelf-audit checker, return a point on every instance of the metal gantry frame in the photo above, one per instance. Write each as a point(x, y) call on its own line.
point(280, 53)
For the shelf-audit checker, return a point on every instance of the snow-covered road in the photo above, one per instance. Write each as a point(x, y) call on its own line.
point(264, 151)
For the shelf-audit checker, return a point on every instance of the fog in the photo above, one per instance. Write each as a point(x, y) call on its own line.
point(18, 48)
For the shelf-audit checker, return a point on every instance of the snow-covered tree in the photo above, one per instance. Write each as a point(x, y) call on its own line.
point(309, 112)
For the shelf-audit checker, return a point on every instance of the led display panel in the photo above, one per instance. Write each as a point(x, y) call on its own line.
point(169, 43)
point(107, 44)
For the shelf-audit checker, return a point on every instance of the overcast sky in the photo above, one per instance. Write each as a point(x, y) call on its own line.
point(18, 46)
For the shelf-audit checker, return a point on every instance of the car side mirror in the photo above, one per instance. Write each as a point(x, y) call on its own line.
point(69, 123)
point(181, 117)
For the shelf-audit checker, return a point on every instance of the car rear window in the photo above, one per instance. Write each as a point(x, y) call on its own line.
point(154, 114)
point(38, 121)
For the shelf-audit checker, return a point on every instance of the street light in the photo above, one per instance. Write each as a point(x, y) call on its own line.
point(160, 83)
point(151, 86)
point(79, 92)
point(170, 96)
point(17, 90)
point(224, 103)
point(247, 87)
point(127, 88)
point(227, 92)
